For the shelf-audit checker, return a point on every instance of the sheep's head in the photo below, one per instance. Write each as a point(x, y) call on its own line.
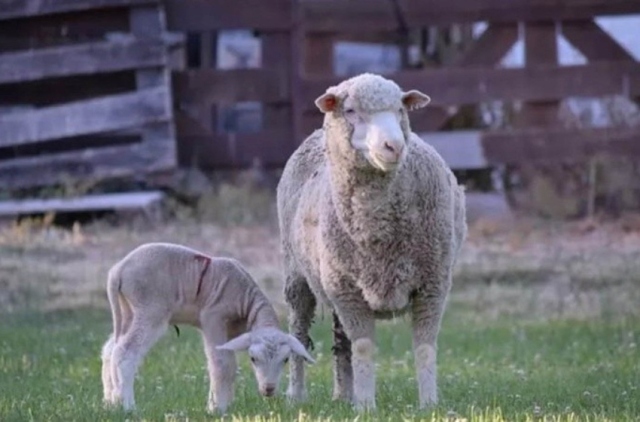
point(269, 350)
point(373, 111)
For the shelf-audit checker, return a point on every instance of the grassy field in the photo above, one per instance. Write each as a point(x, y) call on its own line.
point(543, 323)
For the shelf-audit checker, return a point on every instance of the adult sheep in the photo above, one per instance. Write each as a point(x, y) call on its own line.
point(371, 221)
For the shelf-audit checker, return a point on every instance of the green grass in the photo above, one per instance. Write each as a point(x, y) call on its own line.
point(488, 371)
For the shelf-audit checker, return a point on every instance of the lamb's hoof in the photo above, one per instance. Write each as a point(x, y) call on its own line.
point(214, 410)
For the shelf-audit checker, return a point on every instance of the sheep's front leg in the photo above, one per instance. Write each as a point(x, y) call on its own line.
point(221, 365)
point(428, 308)
point(359, 324)
point(342, 370)
point(302, 305)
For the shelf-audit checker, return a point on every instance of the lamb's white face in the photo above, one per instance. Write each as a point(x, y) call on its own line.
point(374, 108)
point(269, 350)
point(377, 135)
point(268, 361)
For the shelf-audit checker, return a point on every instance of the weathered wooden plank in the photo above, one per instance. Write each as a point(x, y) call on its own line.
point(377, 15)
point(216, 15)
point(149, 22)
point(593, 41)
point(199, 147)
point(95, 163)
point(59, 29)
point(11, 9)
point(558, 144)
point(99, 57)
point(461, 149)
point(84, 117)
point(47, 92)
point(111, 201)
point(455, 86)
point(230, 86)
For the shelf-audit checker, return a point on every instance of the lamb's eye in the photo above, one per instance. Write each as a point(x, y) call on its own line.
point(253, 360)
point(286, 360)
point(350, 111)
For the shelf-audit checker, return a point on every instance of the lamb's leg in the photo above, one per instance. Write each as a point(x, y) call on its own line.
point(302, 305)
point(221, 364)
point(428, 308)
point(359, 324)
point(108, 383)
point(130, 350)
point(342, 370)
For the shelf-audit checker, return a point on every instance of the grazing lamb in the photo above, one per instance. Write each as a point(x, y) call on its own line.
point(371, 220)
point(158, 284)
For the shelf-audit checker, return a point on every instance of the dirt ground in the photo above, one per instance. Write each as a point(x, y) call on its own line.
point(508, 265)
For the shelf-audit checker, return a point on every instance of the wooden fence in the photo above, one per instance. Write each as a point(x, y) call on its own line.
point(84, 91)
point(297, 39)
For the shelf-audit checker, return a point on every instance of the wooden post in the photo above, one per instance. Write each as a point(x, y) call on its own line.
point(276, 55)
point(159, 138)
point(540, 48)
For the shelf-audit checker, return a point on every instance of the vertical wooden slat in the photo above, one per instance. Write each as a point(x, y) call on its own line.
point(540, 48)
point(159, 138)
point(295, 72)
point(276, 55)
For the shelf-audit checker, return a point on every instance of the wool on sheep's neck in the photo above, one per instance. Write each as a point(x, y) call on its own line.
point(364, 200)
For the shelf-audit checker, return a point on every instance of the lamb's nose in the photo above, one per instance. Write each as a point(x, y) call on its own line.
point(269, 390)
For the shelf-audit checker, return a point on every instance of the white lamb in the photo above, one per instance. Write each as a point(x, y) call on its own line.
point(158, 284)
point(371, 220)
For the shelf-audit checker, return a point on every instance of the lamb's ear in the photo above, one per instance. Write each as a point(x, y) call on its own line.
point(298, 349)
point(415, 99)
point(327, 102)
point(242, 342)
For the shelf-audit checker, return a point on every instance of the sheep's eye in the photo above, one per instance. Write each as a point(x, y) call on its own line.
point(286, 360)
point(253, 360)
point(349, 111)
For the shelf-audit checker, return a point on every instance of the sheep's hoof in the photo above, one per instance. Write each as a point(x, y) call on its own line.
point(365, 406)
point(296, 397)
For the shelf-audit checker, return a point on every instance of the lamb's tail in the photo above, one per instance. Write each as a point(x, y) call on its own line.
point(114, 283)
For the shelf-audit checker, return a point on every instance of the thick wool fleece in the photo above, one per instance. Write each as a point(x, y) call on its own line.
point(368, 243)
point(347, 226)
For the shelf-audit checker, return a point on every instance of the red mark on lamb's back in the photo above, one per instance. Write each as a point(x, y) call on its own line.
point(206, 261)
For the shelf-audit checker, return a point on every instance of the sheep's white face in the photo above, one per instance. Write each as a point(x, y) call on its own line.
point(269, 350)
point(374, 107)
point(377, 135)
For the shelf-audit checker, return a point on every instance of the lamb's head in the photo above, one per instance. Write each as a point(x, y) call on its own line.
point(269, 350)
point(367, 119)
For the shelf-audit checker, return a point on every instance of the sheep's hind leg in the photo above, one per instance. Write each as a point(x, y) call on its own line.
point(428, 308)
point(108, 383)
point(302, 305)
point(342, 370)
point(130, 351)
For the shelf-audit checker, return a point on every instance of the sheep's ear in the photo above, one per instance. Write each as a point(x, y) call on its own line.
point(415, 99)
point(327, 102)
point(241, 342)
point(298, 349)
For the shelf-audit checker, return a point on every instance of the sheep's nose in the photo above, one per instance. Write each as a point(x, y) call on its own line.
point(269, 390)
point(395, 149)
